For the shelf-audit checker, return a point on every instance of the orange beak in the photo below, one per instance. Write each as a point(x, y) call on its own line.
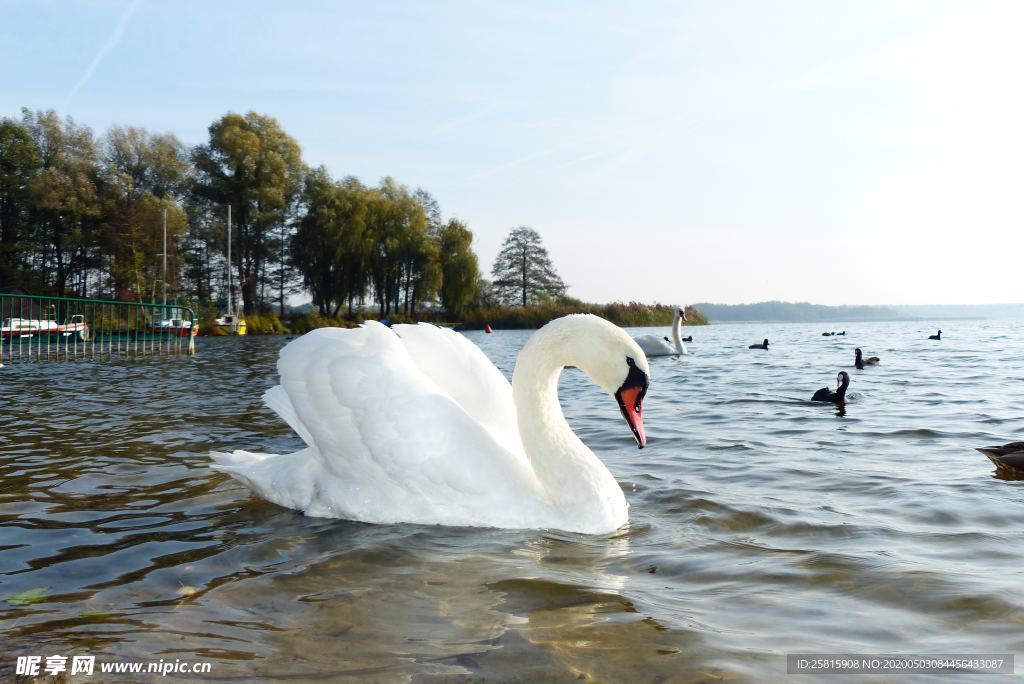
point(631, 404)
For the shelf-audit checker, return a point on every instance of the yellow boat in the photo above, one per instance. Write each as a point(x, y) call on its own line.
point(231, 324)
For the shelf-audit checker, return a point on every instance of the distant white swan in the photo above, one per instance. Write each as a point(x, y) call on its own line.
point(415, 424)
point(660, 346)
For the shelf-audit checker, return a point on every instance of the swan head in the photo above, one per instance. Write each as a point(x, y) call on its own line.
point(617, 363)
point(681, 314)
point(610, 357)
point(630, 397)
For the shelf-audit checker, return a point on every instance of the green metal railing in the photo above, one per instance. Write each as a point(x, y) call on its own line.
point(34, 328)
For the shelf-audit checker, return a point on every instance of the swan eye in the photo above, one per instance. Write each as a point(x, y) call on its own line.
point(635, 379)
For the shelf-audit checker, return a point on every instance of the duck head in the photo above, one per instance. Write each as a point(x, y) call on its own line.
point(842, 383)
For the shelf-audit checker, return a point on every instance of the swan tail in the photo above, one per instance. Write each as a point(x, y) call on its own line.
point(288, 480)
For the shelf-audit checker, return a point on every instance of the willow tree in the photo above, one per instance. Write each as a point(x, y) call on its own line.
point(402, 259)
point(251, 164)
point(523, 272)
point(330, 247)
point(459, 268)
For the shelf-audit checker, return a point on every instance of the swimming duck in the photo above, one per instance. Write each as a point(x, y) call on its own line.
point(859, 361)
point(837, 397)
point(937, 336)
point(763, 345)
point(1008, 457)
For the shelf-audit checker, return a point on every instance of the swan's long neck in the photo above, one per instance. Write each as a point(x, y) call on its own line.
point(677, 335)
point(576, 480)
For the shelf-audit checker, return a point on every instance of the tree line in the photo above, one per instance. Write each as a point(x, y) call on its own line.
point(84, 215)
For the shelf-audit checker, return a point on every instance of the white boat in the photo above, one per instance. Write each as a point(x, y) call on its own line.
point(19, 327)
point(30, 327)
point(175, 326)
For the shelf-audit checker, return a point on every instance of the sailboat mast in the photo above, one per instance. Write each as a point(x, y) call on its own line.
point(230, 291)
point(165, 262)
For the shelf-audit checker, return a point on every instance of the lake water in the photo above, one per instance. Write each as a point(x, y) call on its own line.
point(760, 524)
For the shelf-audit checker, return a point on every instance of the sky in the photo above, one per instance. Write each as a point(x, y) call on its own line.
point(824, 151)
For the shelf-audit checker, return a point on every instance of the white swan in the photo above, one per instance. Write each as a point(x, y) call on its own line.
point(421, 427)
point(660, 346)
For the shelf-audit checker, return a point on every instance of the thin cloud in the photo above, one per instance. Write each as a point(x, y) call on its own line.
point(470, 117)
point(111, 43)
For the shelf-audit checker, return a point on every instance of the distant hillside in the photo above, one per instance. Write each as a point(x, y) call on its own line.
point(963, 311)
point(804, 312)
point(796, 312)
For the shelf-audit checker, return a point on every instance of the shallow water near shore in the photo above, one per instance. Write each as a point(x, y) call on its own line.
point(760, 524)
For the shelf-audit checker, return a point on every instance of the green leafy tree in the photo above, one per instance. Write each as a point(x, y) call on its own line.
point(523, 272)
point(402, 260)
point(144, 175)
point(330, 246)
point(64, 200)
point(460, 271)
point(20, 161)
point(253, 165)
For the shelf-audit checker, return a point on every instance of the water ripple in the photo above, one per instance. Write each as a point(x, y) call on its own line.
point(761, 523)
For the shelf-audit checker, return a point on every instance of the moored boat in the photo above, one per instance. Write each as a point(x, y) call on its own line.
point(30, 327)
point(175, 326)
point(231, 324)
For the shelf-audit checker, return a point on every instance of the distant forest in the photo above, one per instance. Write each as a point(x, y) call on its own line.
point(86, 215)
point(803, 312)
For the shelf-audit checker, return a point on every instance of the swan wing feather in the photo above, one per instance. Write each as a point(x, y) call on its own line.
point(653, 345)
point(463, 371)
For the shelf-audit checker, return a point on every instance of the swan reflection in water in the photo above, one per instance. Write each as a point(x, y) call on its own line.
point(470, 599)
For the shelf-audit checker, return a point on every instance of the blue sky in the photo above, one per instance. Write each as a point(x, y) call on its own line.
point(834, 152)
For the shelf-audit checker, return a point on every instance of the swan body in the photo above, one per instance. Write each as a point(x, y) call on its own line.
point(1007, 458)
point(859, 361)
point(660, 346)
point(416, 425)
point(837, 397)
